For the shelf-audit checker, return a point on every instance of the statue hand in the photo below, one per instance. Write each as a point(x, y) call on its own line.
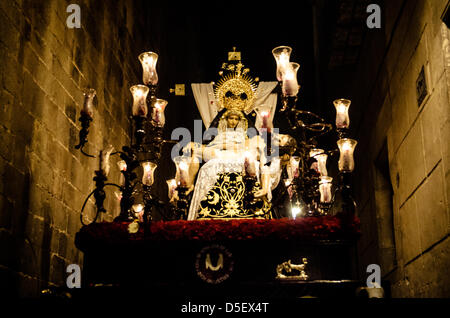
point(188, 147)
point(260, 193)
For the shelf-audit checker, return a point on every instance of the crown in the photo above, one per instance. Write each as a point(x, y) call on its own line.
point(235, 89)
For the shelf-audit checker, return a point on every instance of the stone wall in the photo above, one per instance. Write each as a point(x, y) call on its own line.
point(44, 180)
point(403, 177)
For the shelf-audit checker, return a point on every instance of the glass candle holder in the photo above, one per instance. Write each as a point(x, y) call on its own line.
point(312, 154)
point(88, 105)
point(139, 100)
point(186, 168)
point(346, 149)
point(138, 210)
point(118, 195)
point(282, 54)
point(342, 118)
point(172, 187)
point(315, 151)
point(296, 209)
point(122, 165)
point(148, 61)
point(104, 160)
point(263, 119)
point(290, 85)
point(287, 184)
point(158, 118)
point(148, 170)
point(322, 164)
point(325, 184)
point(293, 167)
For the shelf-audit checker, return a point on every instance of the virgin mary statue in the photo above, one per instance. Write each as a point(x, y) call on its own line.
point(235, 156)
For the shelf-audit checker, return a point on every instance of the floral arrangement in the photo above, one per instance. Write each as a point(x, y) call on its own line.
point(310, 228)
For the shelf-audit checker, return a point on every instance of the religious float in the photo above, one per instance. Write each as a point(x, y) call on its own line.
point(252, 210)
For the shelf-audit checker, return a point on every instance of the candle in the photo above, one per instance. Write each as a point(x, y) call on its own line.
point(322, 164)
point(88, 106)
point(265, 117)
point(346, 149)
point(139, 100)
point(325, 189)
point(249, 164)
point(158, 117)
point(342, 119)
point(148, 170)
point(172, 186)
point(184, 173)
point(148, 61)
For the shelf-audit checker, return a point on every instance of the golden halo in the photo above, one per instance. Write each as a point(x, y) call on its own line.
point(235, 91)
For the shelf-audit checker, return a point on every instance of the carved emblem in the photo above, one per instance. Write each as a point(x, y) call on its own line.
point(214, 264)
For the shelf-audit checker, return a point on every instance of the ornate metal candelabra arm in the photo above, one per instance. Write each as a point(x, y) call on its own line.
point(342, 133)
point(182, 203)
point(152, 93)
point(348, 204)
point(85, 121)
point(139, 132)
point(153, 146)
point(148, 203)
point(99, 193)
point(288, 103)
point(320, 126)
point(127, 201)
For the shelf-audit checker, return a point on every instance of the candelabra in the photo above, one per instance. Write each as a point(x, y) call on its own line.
point(143, 153)
point(307, 181)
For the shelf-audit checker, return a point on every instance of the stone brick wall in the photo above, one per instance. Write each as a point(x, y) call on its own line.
point(405, 229)
point(44, 180)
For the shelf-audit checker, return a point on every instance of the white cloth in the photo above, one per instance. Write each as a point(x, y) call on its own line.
point(206, 102)
point(222, 161)
point(208, 106)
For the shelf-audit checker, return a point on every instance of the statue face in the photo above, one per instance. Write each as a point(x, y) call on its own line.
point(232, 121)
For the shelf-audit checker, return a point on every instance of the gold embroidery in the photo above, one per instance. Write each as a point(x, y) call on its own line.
point(226, 200)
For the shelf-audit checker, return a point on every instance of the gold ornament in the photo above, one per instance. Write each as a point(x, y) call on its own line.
point(235, 89)
point(133, 227)
point(284, 270)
